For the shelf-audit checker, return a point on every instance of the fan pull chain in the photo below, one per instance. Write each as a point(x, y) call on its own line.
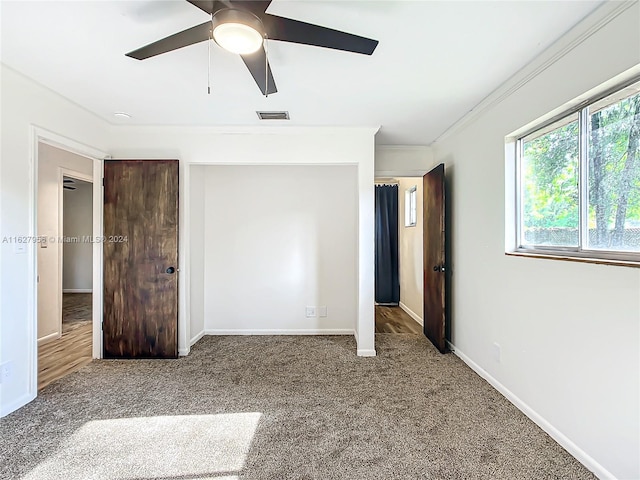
point(209, 62)
point(266, 67)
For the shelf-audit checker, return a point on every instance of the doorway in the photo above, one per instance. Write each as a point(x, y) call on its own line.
point(77, 267)
point(404, 313)
point(66, 221)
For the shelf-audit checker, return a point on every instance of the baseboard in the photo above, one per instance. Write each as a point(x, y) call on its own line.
point(411, 313)
point(366, 353)
point(15, 405)
point(183, 352)
point(584, 458)
point(335, 331)
point(196, 338)
point(77, 290)
point(48, 338)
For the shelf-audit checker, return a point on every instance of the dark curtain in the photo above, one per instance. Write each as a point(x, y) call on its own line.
point(386, 262)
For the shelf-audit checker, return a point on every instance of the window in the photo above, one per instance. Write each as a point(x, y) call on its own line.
point(578, 181)
point(410, 216)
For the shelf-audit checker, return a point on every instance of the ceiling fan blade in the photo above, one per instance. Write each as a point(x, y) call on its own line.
point(209, 6)
point(289, 30)
point(193, 35)
point(255, 62)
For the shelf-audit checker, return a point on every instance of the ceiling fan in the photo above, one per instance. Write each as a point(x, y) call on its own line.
point(241, 26)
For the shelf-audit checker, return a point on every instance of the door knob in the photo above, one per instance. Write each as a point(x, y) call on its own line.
point(438, 268)
point(170, 270)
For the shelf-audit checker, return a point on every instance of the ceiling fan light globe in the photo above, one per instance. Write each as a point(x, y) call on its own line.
point(237, 38)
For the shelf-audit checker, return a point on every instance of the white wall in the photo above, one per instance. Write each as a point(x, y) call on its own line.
point(278, 239)
point(77, 214)
point(402, 160)
point(28, 107)
point(50, 162)
point(411, 251)
point(24, 104)
point(263, 146)
point(569, 332)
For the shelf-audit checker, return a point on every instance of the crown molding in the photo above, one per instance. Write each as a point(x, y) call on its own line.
point(590, 25)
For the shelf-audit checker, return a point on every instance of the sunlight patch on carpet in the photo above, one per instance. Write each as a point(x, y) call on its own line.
point(201, 446)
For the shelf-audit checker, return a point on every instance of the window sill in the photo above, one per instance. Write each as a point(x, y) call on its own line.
point(571, 258)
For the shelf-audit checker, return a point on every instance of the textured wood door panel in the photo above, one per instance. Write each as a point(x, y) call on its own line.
point(434, 257)
point(140, 249)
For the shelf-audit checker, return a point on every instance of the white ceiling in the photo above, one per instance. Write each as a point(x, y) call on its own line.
point(436, 60)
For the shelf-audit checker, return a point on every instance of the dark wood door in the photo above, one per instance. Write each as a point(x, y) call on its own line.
point(140, 259)
point(434, 257)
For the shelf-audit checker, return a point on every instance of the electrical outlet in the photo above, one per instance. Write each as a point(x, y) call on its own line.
point(497, 353)
point(6, 372)
point(310, 311)
point(322, 311)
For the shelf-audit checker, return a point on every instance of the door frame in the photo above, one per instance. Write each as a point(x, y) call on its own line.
point(39, 135)
point(66, 172)
point(418, 174)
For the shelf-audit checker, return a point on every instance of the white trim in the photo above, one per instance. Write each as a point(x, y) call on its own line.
point(77, 290)
point(65, 143)
point(594, 22)
point(400, 173)
point(252, 130)
point(589, 462)
point(49, 338)
point(18, 403)
point(32, 275)
point(195, 339)
point(366, 319)
point(366, 353)
point(281, 331)
point(184, 259)
point(66, 172)
point(411, 313)
point(98, 231)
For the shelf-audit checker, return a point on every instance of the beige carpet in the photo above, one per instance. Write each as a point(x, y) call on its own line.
point(279, 408)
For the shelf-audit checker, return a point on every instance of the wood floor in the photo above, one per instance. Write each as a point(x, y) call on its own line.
point(76, 308)
point(395, 320)
point(73, 349)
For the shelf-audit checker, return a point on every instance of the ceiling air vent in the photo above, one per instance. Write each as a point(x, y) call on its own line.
point(273, 115)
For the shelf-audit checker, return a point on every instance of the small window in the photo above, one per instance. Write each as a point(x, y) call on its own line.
point(578, 185)
point(410, 215)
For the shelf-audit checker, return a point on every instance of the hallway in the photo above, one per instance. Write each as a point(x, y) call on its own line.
point(73, 349)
